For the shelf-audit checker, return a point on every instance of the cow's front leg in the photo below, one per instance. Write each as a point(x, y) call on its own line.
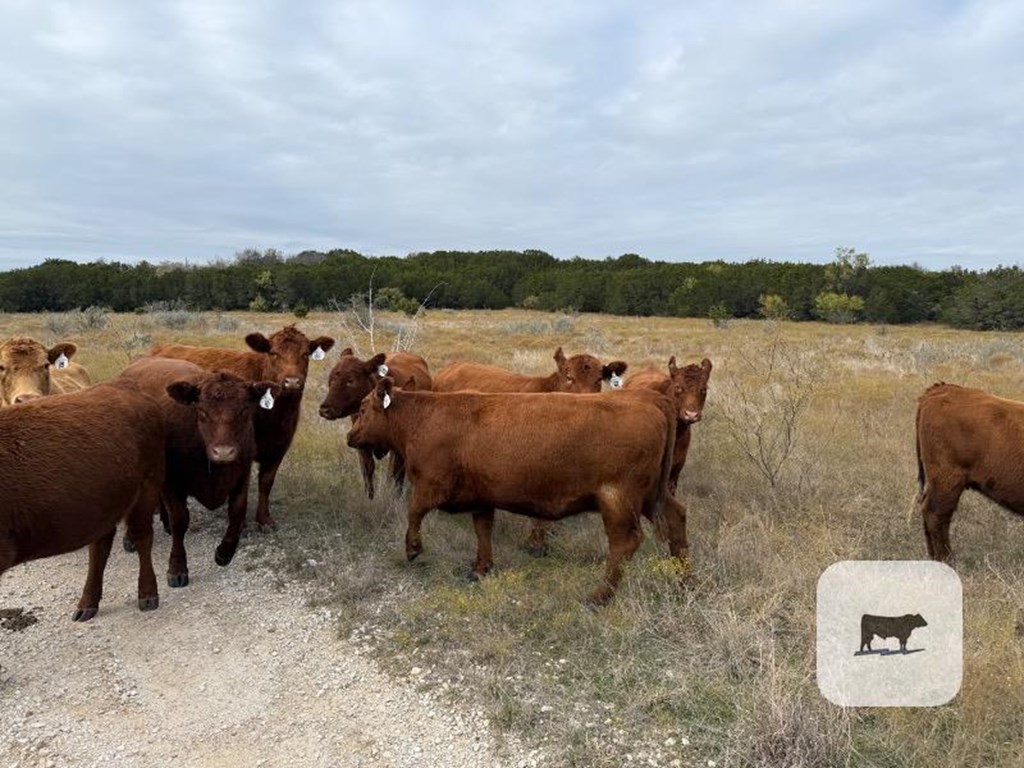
point(268, 472)
point(92, 593)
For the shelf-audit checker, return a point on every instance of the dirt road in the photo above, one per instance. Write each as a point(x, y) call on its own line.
point(229, 671)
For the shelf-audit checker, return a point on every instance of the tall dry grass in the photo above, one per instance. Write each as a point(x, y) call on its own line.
point(721, 669)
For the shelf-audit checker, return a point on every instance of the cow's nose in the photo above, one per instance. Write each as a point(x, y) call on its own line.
point(293, 382)
point(325, 412)
point(24, 398)
point(691, 417)
point(223, 454)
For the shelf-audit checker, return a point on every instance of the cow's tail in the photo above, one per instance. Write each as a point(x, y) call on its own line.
point(668, 452)
point(922, 479)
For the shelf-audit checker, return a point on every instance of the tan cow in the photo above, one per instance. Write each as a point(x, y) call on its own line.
point(541, 455)
point(29, 370)
point(966, 439)
point(579, 373)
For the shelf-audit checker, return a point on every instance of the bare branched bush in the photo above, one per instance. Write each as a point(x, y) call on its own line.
point(132, 338)
point(360, 322)
point(767, 395)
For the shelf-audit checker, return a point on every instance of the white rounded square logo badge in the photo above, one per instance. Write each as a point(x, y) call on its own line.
point(890, 633)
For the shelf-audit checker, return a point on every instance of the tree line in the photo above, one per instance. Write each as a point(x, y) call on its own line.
point(848, 289)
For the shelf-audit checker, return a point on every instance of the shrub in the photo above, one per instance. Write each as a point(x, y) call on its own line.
point(838, 307)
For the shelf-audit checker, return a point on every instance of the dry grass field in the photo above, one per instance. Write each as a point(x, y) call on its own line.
point(805, 457)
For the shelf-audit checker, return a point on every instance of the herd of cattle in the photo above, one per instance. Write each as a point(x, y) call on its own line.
point(190, 421)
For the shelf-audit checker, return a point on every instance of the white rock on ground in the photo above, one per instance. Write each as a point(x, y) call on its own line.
point(229, 671)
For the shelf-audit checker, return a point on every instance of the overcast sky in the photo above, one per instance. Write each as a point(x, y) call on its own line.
point(676, 130)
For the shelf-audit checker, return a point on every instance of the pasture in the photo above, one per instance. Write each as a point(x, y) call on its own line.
point(805, 456)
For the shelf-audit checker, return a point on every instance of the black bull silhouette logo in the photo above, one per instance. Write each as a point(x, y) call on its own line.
point(888, 626)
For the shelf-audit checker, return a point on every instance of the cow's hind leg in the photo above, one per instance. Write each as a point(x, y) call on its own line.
point(622, 527)
point(483, 524)
point(92, 593)
point(670, 526)
point(937, 505)
point(537, 541)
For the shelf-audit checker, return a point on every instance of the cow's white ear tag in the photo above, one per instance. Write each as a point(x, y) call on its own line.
point(382, 370)
point(267, 401)
point(386, 401)
point(61, 361)
point(615, 382)
point(318, 354)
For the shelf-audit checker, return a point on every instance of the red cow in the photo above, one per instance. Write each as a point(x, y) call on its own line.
point(966, 439)
point(541, 455)
point(74, 466)
point(282, 358)
point(579, 373)
point(211, 444)
point(687, 387)
point(353, 379)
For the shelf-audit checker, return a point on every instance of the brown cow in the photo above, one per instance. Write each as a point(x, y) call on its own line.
point(75, 465)
point(29, 370)
point(282, 358)
point(966, 438)
point(211, 444)
point(353, 379)
point(579, 374)
point(541, 455)
point(687, 387)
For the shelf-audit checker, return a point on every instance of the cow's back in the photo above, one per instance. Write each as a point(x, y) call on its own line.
point(404, 367)
point(649, 378)
point(244, 364)
point(464, 376)
point(79, 461)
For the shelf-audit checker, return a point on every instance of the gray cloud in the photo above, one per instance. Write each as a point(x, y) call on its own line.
point(678, 131)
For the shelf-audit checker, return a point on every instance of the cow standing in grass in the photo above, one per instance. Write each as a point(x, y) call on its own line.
point(211, 444)
point(29, 370)
point(542, 455)
point(579, 374)
point(75, 465)
point(966, 439)
point(352, 379)
point(282, 358)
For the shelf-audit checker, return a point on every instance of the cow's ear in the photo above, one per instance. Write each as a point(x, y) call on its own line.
point(560, 358)
point(322, 342)
point(672, 367)
point(613, 369)
point(347, 351)
point(705, 366)
point(258, 342)
point(410, 385)
point(259, 388)
point(184, 392)
point(65, 348)
point(375, 362)
point(385, 392)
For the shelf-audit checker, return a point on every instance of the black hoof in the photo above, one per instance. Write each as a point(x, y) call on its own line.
point(225, 553)
point(266, 527)
point(175, 580)
point(128, 544)
point(537, 551)
point(84, 614)
point(167, 528)
point(410, 556)
point(149, 603)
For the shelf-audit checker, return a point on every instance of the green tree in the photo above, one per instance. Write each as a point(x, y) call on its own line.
point(838, 307)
